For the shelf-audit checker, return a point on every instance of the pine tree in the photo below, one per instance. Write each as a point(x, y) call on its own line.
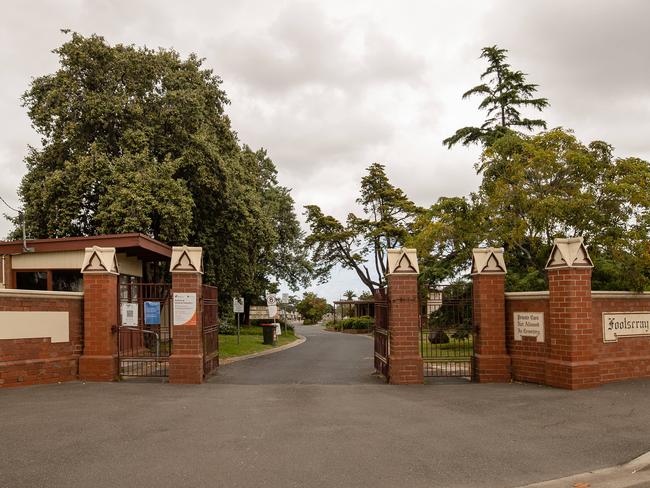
point(505, 92)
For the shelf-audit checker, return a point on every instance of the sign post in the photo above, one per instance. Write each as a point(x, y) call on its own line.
point(284, 301)
point(238, 307)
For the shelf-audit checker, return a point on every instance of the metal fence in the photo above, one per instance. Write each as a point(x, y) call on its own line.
point(210, 311)
point(446, 331)
point(381, 333)
point(145, 333)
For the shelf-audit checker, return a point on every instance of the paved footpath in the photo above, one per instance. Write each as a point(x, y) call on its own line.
point(313, 416)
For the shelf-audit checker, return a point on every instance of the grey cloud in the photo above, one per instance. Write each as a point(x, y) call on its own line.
point(303, 47)
point(590, 59)
point(312, 128)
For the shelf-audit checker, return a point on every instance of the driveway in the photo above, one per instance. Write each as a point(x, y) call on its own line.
point(312, 416)
point(326, 358)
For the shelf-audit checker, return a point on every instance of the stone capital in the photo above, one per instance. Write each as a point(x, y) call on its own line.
point(100, 260)
point(403, 261)
point(186, 260)
point(569, 253)
point(488, 260)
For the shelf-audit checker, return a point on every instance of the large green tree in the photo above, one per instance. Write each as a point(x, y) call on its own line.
point(536, 188)
point(505, 93)
point(137, 140)
point(360, 244)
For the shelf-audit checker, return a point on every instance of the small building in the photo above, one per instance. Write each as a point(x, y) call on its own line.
point(55, 264)
point(105, 307)
point(354, 308)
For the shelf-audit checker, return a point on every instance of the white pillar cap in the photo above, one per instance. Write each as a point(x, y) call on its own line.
point(569, 253)
point(186, 260)
point(488, 260)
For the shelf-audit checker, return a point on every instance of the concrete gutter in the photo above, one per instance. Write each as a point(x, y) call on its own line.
point(297, 342)
point(635, 474)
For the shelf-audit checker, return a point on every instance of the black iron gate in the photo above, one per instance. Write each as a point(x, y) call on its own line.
point(446, 331)
point(381, 333)
point(145, 332)
point(210, 322)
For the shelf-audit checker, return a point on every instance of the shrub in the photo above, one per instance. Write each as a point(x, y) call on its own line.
point(227, 328)
point(355, 323)
point(438, 337)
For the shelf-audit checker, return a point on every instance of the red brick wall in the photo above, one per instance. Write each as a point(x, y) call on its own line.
point(570, 361)
point(99, 359)
point(630, 356)
point(186, 361)
point(528, 356)
point(405, 364)
point(36, 361)
point(490, 362)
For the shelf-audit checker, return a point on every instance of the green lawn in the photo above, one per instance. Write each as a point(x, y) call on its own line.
point(454, 348)
point(250, 342)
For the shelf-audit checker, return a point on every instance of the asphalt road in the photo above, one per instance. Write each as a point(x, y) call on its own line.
point(326, 358)
point(312, 416)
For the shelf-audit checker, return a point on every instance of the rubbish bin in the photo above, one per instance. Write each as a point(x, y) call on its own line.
point(268, 331)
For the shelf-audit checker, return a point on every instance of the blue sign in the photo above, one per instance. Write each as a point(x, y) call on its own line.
point(151, 313)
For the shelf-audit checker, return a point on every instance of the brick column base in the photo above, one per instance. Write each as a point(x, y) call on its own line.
point(186, 369)
point(406, 371)
point(488, 368)
point(572, 375)
point(98, 368)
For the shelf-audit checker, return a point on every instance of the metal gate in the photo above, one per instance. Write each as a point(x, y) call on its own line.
point(210, 311)
point(381, 333)
point(145, 333)
point(447, 332)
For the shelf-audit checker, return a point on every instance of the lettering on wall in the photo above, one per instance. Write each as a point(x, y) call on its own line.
point(628, 324)
point(529, 324)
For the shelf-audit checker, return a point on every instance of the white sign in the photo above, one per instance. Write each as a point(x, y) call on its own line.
point(529, 324)
point(129, 313)
point(271, 304)
point(628, 324)
point(238, 305)
point(285, 298)
point(184, 308)
point(278, 329)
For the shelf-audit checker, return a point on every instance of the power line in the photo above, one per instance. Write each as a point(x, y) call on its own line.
point(5, 202)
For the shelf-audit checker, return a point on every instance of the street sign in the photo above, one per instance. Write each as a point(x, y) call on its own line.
point(285, 298)
point(238, 305)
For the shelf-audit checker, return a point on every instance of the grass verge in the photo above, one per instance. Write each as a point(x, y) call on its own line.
point(250, 342)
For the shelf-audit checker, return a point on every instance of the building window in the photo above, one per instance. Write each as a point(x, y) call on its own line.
point(67, 280)
point(31, 280)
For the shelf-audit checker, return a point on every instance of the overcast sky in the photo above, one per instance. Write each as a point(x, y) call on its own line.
point(330, 87)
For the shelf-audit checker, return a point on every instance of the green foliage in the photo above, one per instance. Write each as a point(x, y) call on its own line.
point(137, 140)
point(349, 295)
point(385, 224)
point(504, 93)
point(312, 308)
point(536, 188)
point(366, 295)
point(355, 323)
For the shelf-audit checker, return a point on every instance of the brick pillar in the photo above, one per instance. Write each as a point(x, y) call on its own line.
point(571, 358)
point(98, 361)
point(405, 364)
point(491, 361)
point(186, 361)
